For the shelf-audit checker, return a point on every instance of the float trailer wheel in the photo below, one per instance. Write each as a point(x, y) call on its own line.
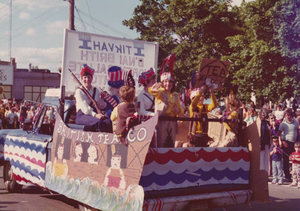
point(11, 184)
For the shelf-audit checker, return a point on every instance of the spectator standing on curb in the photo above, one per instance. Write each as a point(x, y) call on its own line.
point(264, 140)
point(276, 154)
point(295, 158)
point(11, 117)
point(279, 114)
point(250, 117)
point(288, 131)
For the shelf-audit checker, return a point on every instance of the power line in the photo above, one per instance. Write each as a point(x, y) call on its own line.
point(90, 15)
point(40, 18)
point(3, 14)
point(103, 24)
point(6, 5)
point(95, 27)
point(81, 19)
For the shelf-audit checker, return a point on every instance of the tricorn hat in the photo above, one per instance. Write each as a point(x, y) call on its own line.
point(145, 76)
point(86, 70)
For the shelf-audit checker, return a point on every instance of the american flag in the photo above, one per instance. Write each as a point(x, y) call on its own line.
point(128, 78)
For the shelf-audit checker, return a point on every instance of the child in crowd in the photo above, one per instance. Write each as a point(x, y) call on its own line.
point(295, 158)
point(122, 112)
point(277, 166)
point(273, 125)
point(279, 114)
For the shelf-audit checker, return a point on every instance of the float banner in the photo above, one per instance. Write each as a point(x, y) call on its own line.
point(213, 73)
point(102, 52)
point(98, 170)
point(185, 167)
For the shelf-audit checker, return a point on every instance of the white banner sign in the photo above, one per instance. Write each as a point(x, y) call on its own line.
point(6, 75)
point(101, 52)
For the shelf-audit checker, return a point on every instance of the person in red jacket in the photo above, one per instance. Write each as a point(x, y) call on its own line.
point(295, 158)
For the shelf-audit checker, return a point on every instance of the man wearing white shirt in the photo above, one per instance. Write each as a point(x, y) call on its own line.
point(86, 113)
point(147, 101)
point(10, 118)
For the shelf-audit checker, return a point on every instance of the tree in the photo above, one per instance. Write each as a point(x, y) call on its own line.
point(260, 65)
point(286, 23)
point(191, 29)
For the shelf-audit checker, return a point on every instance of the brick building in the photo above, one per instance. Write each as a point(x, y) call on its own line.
point(29, 84)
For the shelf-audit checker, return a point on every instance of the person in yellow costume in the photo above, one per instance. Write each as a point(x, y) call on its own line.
point(197, 106)
point(167, 103)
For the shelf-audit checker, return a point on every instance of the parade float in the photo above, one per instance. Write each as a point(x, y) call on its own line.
point(101, 173)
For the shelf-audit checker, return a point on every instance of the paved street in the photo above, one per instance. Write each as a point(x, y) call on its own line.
point(33, 199)
point(283, 198)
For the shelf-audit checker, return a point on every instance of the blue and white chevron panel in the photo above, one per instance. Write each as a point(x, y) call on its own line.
point(189, 167)
point(27, 159)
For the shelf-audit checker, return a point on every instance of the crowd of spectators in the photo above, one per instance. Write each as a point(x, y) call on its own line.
point(280, 129)
point(14, 115)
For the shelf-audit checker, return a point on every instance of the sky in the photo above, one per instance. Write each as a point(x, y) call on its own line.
point(38, 27)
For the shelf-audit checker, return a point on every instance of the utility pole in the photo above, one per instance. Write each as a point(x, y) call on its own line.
point(10, 28)
point(71, 15)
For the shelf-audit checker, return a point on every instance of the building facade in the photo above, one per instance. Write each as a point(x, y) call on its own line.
point(29, 84)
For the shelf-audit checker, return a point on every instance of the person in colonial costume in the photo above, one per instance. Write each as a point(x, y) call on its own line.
point(145, 99)
point(167, 103)
point(86, 112)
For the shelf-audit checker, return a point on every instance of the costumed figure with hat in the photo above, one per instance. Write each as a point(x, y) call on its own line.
point(198, 130)
point(232, 106)
point(167, 103)
point(112, 98)
point(86, 113)
point(146, 100)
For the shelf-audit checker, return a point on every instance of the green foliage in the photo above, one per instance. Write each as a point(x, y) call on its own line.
point(260, 37)
point(264, 56)
point(191, 29)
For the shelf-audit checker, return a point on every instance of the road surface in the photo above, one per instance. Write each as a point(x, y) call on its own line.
point(33, 199)
point(282, 198)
